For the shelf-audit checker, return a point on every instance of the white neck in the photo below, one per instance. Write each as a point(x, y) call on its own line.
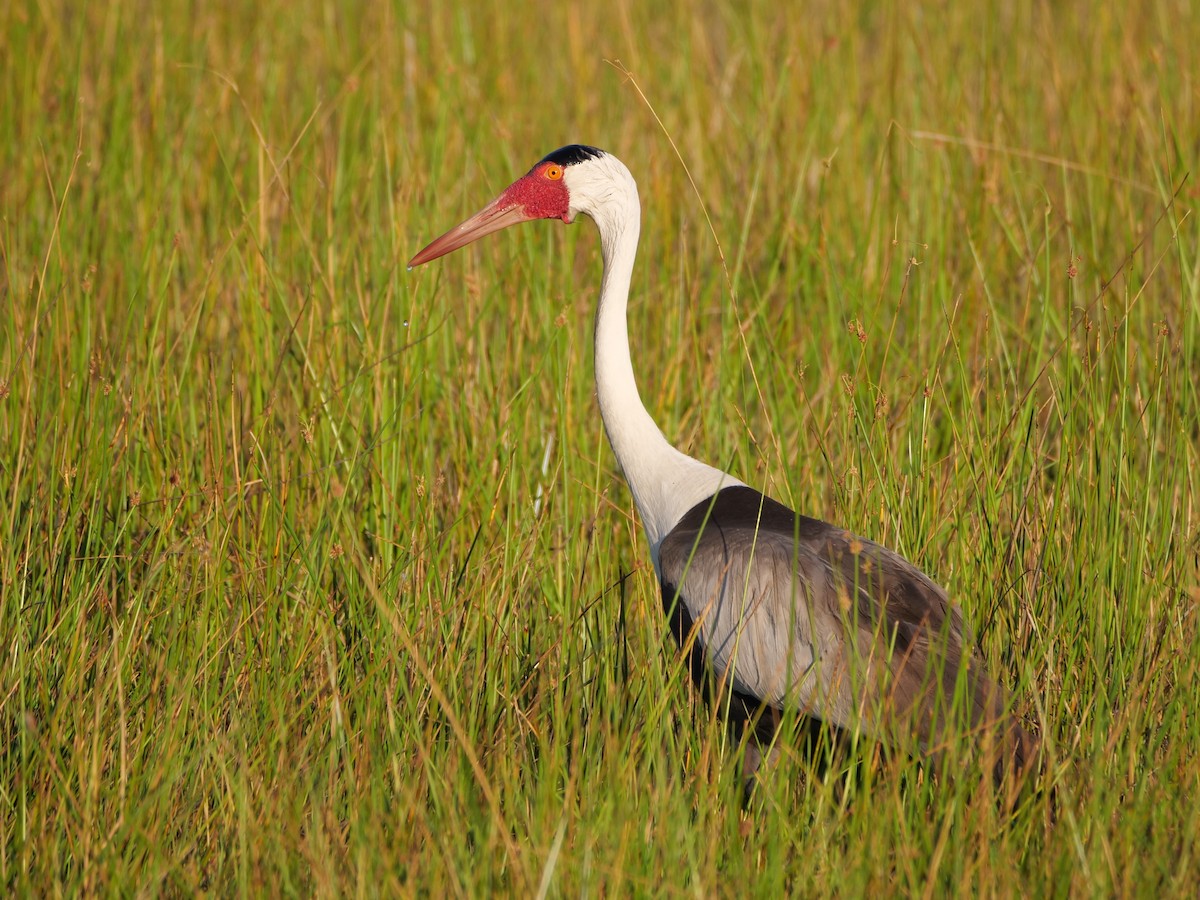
point(665, 483)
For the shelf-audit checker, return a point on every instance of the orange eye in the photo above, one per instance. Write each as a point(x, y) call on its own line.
point(553, 172)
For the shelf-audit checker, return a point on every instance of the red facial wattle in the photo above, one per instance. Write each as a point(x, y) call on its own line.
point(540, 196)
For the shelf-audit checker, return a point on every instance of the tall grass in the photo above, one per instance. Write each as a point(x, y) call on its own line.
point(319, 577)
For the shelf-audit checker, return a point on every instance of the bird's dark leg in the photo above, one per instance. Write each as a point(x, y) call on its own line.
point(762, 749)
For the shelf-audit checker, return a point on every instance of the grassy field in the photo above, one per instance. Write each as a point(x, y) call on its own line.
point(318, 577)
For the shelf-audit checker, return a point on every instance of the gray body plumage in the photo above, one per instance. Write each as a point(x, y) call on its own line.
point(783, 611)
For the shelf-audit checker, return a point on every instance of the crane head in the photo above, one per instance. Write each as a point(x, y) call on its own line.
point(543, 193)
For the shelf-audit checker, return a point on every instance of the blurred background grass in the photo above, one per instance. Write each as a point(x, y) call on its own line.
point(318, 577)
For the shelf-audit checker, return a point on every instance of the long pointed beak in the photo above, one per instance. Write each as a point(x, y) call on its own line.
point(493, 217)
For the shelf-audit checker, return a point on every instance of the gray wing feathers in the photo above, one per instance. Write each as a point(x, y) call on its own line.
point(812, 617)
point(738, 589)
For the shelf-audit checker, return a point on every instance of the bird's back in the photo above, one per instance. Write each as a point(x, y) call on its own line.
point(793, 612)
